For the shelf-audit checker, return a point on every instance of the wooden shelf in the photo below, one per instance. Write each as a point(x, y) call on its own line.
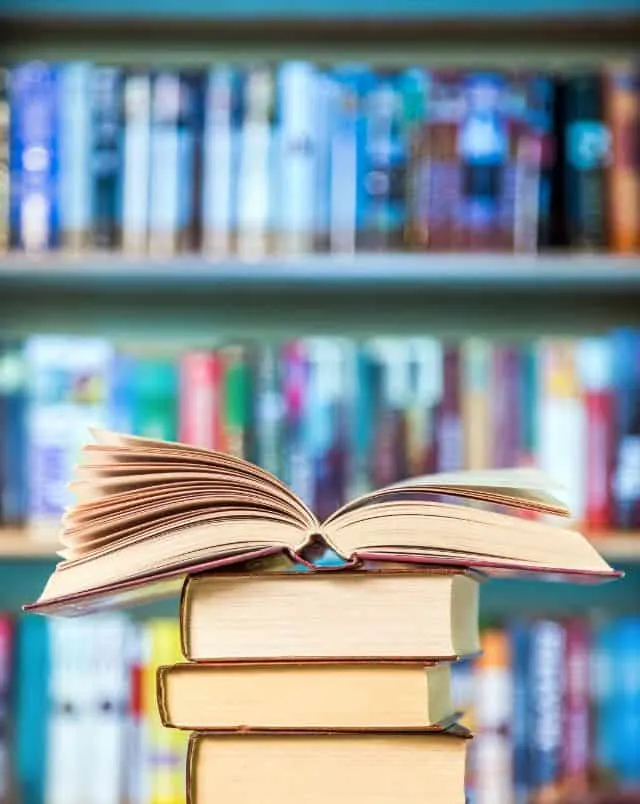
point(190, 298)
point(15, 543)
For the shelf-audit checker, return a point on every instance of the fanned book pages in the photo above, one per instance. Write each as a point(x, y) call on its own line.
point(149, 513)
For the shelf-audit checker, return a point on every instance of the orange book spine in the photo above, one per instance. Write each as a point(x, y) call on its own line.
point(623, 112)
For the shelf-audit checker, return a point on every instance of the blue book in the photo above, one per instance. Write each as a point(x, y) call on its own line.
point(34, 207)
point(625, 348)
point(107, 155)
point(31, 708)
point(519, 636)
point(626, 716)
point(121, 390)
point(75, 154)
point(13, 468)
point(546, 669)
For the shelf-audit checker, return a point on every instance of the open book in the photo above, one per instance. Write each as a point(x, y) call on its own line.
point(150, 512)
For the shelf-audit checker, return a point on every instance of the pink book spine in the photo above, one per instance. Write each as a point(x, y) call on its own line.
point(199, 399)
point(576, 720)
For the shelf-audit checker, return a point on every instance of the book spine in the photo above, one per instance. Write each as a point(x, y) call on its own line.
point(31, 708)
point(121, 385)
point(476, 359)
point(576, 727)
point(625, 347)
point(541, 116)
point(75, 155)
point(5, 193)
point(520, 643)
point(221, 142)
point(268, 410)
point(562, 422)
point(604, 672)
point(199, 400)
point(297, 85)
point(595, 366)
point(137, 163)
point(622, 105)
point(156, 398)
point(256, 171)
point(345, 160)
point(237, 396)
point(588, 151)
point(382, 211)
point(135, 782)
point(547, 683)
point(191, 159)
point(298, 469)
point(627, 680)
point(107, 156)
point(450, 433)
point(34, 157)
point(7, 782)
point(505, 407)
point(13, 413)
point(326, 96)
point(166, 172)
point(528, 402)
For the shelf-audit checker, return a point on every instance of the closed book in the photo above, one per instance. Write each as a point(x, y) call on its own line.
point(5, 112)
point(576, 716)
point(622, 113)
point(137, 162)
point(321, 768)
point(34, 156)
point(13, 416)
point(291, 696)
point(7, 764)
point(107, 156)
point(424, 615)
point(76, 206)
point(587, 155)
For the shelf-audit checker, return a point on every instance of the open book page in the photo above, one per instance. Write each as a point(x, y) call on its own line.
point(523, 488)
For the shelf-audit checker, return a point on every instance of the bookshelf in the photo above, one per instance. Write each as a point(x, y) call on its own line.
point(356, 295)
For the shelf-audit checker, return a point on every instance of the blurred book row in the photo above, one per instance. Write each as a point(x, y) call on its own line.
point(334, 417)
point(555, 704)
point(78, 714)
point(296, 157)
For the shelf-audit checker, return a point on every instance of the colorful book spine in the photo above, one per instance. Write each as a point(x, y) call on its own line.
point(588, 154)
point(107, 156)
point(326, 97)
point(595, 363)
point(166, 172)
point(200, 398)
point(298, 471)
point(298, 122)
point(34, 156)
point(576, 727)
point(268, 410)
point(627, 687)
point(137, 162)
point(520, 643)
point(236, 403)
point(450, 432)
point(221, 146)
point(5, 116)
point(505, 406)
point(476, 360)
point(625, 347)
point(622, 113)
point(13, 434)
point(190, 160)
point(547, 683)
point(31, 708)
point(256, 190)
point(7, 781)
point(75, 155)
point(156, 398)
point(381, 213)
point(346, 158)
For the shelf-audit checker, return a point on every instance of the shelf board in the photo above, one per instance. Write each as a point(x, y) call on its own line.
point(577, 274)
point(194, 300)
point(16, 544)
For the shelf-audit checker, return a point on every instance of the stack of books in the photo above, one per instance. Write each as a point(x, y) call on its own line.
point(306, 681)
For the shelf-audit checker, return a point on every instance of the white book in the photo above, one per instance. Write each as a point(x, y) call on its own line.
point(75, 145)
point(164, 192)
point(68, 760)
point(220, 153)
point(105, 721)
point(137, 161)
point(254, 189)
point(298, 153)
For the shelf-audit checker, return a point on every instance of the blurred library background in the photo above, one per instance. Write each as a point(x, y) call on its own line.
point(351, 242)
